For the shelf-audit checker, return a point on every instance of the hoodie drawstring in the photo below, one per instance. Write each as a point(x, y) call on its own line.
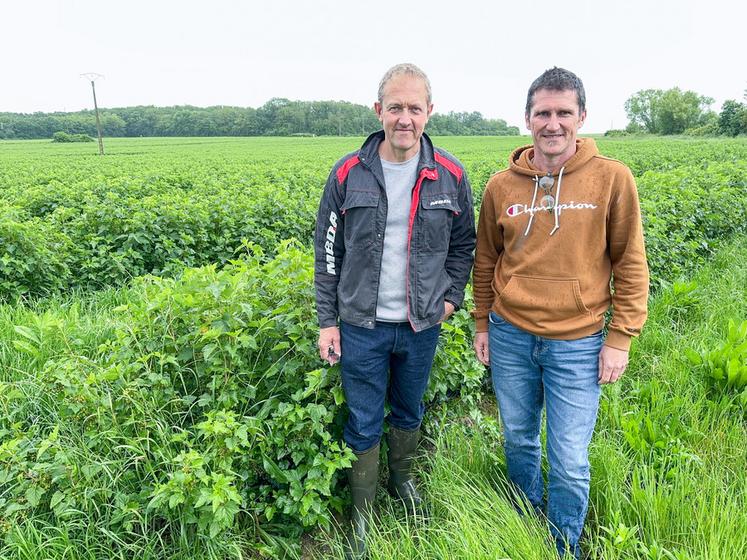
point(531, 206)
point(556, 206)
point(556, 209)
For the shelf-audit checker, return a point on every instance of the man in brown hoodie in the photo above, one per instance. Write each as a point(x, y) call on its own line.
point(555, 228)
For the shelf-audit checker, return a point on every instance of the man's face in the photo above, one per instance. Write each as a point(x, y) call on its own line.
point(403, 112)
point(554, 120)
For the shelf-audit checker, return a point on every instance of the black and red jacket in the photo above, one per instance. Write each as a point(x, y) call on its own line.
point(350, 229)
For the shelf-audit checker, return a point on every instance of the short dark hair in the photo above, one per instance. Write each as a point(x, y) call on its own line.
point(557, 79)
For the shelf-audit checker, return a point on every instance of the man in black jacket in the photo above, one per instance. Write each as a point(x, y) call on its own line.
point(394, 241)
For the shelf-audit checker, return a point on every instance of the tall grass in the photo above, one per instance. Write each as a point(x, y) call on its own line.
point(669, 461)
point(685, 493)
point(468, 513)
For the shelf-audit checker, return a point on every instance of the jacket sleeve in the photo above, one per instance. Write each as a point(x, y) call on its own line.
point(461, 246)
point(329, 250)
point(489, 248)
point(629, 268)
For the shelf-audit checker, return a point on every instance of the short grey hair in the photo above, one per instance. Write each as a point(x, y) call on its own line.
point(557, 79)
point(407, 69)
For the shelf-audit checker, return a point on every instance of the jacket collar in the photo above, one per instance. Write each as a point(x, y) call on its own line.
point(369, 152)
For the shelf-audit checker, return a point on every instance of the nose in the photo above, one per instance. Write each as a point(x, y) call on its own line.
point(405, 118)
point(553, 123)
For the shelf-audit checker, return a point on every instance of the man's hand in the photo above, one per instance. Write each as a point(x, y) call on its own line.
point(329, 345)
point(482, 349)
point(448, 311)
point(612, 364)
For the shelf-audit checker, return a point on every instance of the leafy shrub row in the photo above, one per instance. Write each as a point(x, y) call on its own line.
point(114, 236)
point(205, 409)
point(49, 244)
point(64, 137)
point(688, 212)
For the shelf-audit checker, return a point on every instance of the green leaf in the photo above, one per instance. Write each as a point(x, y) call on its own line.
point(694, 358)
point(14, 507)
point(34, 495)
point(175, 500)
point(208, 351)
point(28, 334)
point(26, 348)
point(732, 372)
point(57, 498)
point(273, 470)
point(338, 395)
point(269, 513)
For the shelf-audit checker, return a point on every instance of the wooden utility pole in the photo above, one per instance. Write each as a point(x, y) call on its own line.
point(93, 77)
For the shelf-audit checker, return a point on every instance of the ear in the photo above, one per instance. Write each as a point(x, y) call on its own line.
point(430, 109)
point(526, 120)
point(581, 119)
point(378, 109)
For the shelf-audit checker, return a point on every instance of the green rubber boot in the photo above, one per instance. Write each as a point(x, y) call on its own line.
point(402, 446)
point(363, 478)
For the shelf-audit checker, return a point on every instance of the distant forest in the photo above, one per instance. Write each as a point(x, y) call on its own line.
point(277, 117)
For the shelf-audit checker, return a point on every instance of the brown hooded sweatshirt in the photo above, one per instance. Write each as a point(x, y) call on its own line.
point(548, 271)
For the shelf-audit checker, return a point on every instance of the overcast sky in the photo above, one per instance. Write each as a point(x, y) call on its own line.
point(480, 56)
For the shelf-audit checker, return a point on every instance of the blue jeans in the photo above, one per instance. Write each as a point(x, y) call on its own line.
point(389, 362)
point(530, 372)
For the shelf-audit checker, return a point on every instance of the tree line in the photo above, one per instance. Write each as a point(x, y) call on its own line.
point(653, 111)
point(674, 111)
point(277, 117)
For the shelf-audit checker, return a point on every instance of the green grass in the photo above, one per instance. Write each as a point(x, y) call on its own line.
point(681, 493)
point(683, 497)
point(468, 513)
point(687, 493)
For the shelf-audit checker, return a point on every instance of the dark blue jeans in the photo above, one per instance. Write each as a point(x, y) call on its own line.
point(391, 363)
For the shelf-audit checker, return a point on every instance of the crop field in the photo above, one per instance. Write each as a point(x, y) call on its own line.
point(153, 206)
point(161, 395)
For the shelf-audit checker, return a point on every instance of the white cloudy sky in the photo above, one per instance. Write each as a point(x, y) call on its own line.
point(480, 56)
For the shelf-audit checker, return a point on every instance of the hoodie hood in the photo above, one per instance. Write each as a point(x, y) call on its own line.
point(520, 160)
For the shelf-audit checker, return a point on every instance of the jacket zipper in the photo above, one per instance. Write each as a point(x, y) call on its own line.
point(425, 173)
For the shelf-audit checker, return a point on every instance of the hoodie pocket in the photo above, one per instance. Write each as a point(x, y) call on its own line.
point(550, 304)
